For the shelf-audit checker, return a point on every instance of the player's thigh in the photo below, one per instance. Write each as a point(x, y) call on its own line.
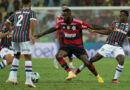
point(6, 51)
point(78, 52)
point(105, 50)
point(63, 52)
point(118, 51)
point(16, 47)
point(26, 48)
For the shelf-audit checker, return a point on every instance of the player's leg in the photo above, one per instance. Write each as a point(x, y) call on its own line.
point(91, 67)
point(120, 56)
point(26, 50)
point(63, 52)
point(13, 71)
point(82, 55)
point(55, 63)
point(93, 59)
point(71, 61)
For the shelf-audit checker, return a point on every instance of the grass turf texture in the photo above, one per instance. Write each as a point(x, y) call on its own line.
point(54, 79)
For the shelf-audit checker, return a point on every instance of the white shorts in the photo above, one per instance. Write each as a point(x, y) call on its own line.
point(110, 49)
point(23, 47)
point(5, 51)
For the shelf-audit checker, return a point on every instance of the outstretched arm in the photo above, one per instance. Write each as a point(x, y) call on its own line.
point(46, 32)
point(100, 29)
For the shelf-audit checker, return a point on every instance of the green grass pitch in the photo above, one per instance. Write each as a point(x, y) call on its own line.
point(54, 79)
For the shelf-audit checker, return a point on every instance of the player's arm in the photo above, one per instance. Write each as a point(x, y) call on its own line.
point(32, 25)
point(129, 36)
point(9, 21)
point(100, 29)
point(53, 29)
point(50, 30)
point(2, 35)
point(8, 26)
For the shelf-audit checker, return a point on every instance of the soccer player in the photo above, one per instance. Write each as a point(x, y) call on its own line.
point(22, 40)
point(59, 18)
point(6, 51)
point(71, 42)
point(5, 47)
point(116, 36)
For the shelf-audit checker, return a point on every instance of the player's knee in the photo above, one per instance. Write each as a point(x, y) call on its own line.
point(120, 59)
point(9, 58)
point(59, 56)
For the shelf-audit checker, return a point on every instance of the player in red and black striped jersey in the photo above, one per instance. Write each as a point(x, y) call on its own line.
point(59, 18)
point(70, 39)
point(22, 40)
point(116, 35)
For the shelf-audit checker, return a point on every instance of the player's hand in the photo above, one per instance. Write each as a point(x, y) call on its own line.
point(91, 30)
point(37, 36)
point(32, 40)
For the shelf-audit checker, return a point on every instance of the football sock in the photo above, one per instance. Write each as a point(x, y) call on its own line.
point(14, 69)
point(3, 64)
point(63, 63)
point(70, 60)
point(119, 69)
point(79, 69)
point(28, 69)
point(92, 69)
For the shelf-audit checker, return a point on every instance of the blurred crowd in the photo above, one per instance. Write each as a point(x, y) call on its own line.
point(82, 2)
point(47, 19)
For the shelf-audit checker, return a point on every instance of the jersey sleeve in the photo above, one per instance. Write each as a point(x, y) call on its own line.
point(84, 25)
point(57, 26)
point(11, 18)
point(33, 16)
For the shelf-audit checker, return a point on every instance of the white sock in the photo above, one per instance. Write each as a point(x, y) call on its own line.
point(14, 69)
point(71, 63)
point(28, 69)
point(3, 64)
point(118, 71)
point(82, 67)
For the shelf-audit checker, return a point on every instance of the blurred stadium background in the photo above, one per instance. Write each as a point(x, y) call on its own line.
point(100, 12)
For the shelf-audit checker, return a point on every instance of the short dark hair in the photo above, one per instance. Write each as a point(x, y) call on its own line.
point(67, 10)
point(26, 2)
point(64, 5)
point(126, 12)
point(8, 14)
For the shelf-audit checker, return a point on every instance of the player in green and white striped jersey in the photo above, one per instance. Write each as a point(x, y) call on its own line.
point(116, 35)
point(22, 40)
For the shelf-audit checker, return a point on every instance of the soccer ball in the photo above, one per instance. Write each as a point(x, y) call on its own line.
point(35, 77)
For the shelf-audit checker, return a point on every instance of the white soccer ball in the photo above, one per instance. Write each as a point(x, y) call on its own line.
point(35, 77)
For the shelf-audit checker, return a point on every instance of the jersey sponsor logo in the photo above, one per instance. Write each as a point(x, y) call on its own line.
point(121, 31)
point(70, 35)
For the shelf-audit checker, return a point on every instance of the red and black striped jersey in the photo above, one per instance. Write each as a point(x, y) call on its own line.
point(71, 34)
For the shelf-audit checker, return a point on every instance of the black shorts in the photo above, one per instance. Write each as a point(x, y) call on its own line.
point(77, 51)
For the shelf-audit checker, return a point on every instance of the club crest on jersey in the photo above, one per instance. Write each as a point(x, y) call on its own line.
point(73, 27)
